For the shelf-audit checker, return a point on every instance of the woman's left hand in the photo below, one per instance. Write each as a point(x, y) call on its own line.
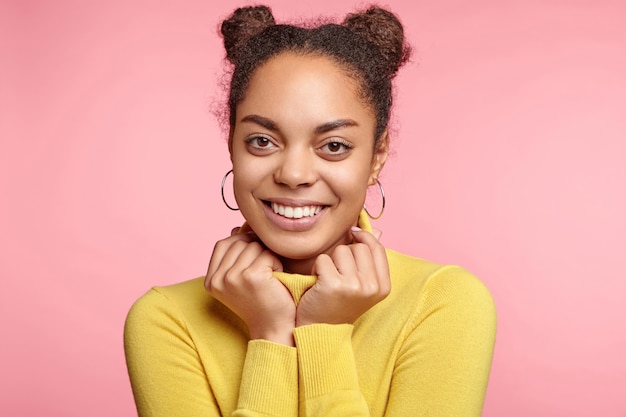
point(350, 281)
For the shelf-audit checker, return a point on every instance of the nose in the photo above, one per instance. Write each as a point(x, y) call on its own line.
point(297, 168)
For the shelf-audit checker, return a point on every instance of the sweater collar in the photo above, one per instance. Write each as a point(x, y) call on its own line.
point(298, 284)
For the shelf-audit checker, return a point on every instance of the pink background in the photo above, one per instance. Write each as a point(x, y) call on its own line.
point(510, 140)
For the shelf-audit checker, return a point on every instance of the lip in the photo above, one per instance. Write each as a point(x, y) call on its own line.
point(293, 202)
point(293, 225)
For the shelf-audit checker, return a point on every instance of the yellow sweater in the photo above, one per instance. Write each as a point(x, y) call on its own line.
point(423, 351)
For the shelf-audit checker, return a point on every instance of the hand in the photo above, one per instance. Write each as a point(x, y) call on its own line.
point(240, 276)
point(350, 281)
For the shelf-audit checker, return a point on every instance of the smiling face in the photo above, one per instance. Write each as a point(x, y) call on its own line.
point(303, 156)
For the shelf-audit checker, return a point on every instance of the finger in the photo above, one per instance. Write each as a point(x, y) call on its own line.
point(244, 231)
point(219, 252)
point(377, 233)
point(238, 258)
point(370, 239)
point(344, 261)
point(222, 259)
point(324, 267)
point(363, 259)
point(242, 271)
point(220, 248)
point(379, 255)
point(267, 258)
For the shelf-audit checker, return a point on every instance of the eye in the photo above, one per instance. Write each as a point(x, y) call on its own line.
point(260, 144)
point(335, 149)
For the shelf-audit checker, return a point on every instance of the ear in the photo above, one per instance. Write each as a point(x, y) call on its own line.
point(230, 144)
point(379, 158)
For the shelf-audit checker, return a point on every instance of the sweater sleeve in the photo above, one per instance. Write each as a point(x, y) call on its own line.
point(329, 383)
point(443, 365)
point(269, 385)
point(168, 377)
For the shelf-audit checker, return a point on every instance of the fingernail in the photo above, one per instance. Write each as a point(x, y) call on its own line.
point(356, 229)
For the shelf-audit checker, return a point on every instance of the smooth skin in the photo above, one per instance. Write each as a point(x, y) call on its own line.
point(303, 136)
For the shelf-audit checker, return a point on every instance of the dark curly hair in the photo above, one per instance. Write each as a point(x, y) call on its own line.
point(368, 45)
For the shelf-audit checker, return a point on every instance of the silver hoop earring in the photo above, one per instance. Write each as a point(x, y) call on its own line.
point(382, 193)
point(224, 198)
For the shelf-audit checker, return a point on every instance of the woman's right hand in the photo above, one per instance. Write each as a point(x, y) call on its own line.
point(240, 276)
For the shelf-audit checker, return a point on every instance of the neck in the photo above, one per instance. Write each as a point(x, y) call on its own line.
point(305, 266)
point(298, 266)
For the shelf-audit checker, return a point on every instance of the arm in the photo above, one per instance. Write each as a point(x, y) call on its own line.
point(350, 281)
point(269, 381)
point(329, 383)
point(443, 366)
point(165, 371)
point(169, 379)
point(241, 276)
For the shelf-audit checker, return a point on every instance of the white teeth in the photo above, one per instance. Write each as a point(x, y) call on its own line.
point(296, 212)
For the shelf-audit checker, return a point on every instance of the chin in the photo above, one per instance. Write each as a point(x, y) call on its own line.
point(296, 249)
point(291, 240)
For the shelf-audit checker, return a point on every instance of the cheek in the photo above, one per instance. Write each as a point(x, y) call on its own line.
point(349, 183)
point(244, 180)
point(246, 169)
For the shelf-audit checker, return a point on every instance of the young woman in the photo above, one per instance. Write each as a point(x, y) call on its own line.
point(303, 312)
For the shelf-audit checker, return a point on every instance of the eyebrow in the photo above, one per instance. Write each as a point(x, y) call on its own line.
point(323, 128)
point(261, 121)
point(335, 124)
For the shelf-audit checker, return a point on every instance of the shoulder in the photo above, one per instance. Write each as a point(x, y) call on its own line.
point(185, 308)
point(169, 298)
point(182, 305)
point(161, 306)
point(435, 287)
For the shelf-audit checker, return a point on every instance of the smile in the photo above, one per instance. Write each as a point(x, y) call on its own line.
point(297, 212)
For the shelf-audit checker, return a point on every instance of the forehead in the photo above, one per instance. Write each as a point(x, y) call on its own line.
point(291, 85)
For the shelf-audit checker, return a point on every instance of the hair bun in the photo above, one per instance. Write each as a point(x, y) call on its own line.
point(382, 28)
point(243, 24)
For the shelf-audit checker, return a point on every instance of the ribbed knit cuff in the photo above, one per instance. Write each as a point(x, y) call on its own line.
point(269, 383)
point(325, 359)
